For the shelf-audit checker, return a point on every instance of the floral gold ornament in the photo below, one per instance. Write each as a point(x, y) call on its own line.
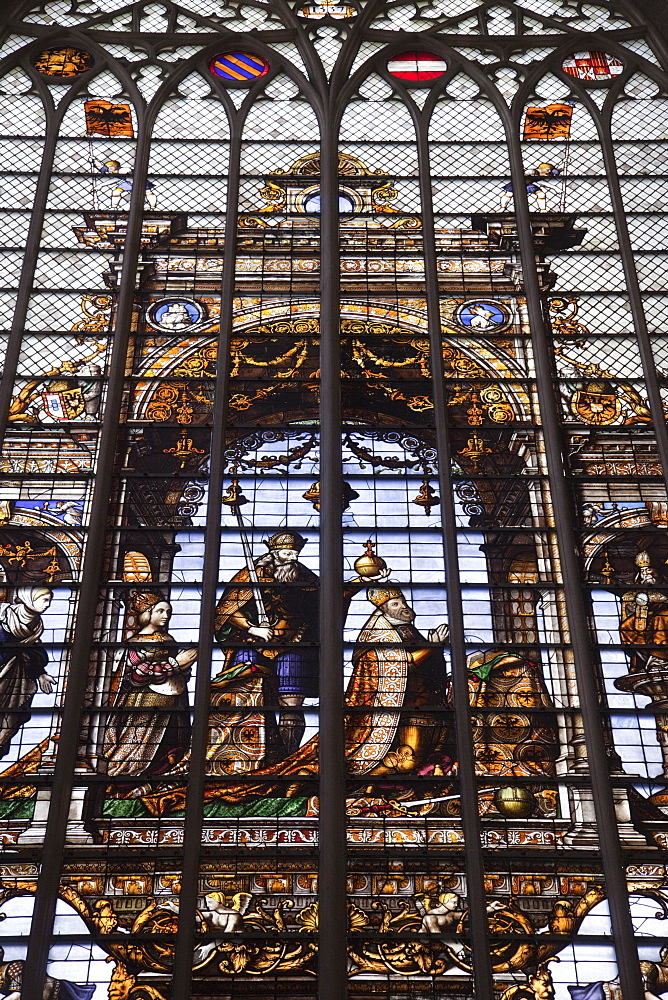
point(97, 313)
point(233, 497)
point(296, 355)
point(363, 353)
point(495, 400)
point(20, 554)
point(607, 570)
point(275, 195)
point(402, 943)
point(566, 326)
point(474, 415)
point(489, 401)
point(184, 402)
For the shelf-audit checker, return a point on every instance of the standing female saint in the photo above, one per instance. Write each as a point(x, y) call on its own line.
point(23, 659)
point(149, 731)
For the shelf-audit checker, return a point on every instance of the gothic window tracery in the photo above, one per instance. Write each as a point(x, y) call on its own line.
point(332, 529)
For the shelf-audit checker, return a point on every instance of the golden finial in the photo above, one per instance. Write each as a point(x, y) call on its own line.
point(607, 569)
point(426, 498)
point(348, 494)
point(233, 497)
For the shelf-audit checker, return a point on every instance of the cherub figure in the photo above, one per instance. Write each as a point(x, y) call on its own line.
point(223, 918)
point(445, 916)
point(219, 917)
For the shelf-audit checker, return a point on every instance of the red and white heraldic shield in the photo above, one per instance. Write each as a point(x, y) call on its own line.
point(416, 66)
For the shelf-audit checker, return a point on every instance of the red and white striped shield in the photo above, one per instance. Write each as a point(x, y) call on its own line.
point(416, 66)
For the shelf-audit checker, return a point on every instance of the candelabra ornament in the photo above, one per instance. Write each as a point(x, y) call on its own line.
point(607, 570)
point(426, 497)
point(20, 554)
point(475, 451)
point(184, 449)
point(348, 494)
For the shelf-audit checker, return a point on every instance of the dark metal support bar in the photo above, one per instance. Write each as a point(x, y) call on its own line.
point(332, 957)
point(68, 744)
point(475, 885)
point(599, 770)
point(192, 834)
point(633, 288)
point(31, 254)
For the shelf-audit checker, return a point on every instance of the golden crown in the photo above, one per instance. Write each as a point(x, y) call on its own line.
point(144, 602)
point(286, 540)
point(378, 595)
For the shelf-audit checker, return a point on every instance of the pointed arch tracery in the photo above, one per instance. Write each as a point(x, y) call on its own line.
point(366, 279)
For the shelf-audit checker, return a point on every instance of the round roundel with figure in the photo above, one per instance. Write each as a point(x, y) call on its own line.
point(239, 67)
point(416, 67)
point(63, 61)
point(482, 316)
point(173, 315)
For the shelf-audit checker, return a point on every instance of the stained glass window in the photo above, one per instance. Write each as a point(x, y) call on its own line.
point(333, 518)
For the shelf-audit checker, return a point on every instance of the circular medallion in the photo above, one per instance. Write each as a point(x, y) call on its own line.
point(482, 316)
point(416, 67)
point(509, 727)
point(63, 62)
point(174, 315)
point(238, 67)
point(311, 203)
point(536, 757)
point(592, 67)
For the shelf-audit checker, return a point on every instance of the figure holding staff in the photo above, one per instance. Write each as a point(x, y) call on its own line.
point(271, 609)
